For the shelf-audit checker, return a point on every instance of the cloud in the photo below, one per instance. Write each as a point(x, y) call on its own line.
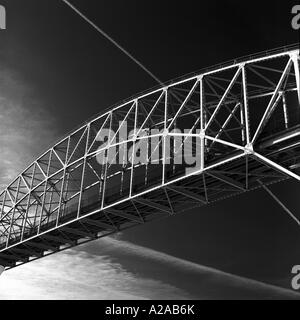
point(26, 128)
point(114, 269)
point(79, 275)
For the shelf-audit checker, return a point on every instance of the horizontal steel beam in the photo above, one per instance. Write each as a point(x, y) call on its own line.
point(189, 194)
point(124, 214)
point(58, 239)
point(99, 224)
point(77, 232)
point(226, 179)
point(154, 205)
point(46, 247)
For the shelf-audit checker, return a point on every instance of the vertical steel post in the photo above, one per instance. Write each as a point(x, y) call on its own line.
point(134, 138)
point(295, 57)
point(202, 125)
point(13, 214)
point(45, 190)
point(28, 202)
point(105, 158)
point(285, 113)
point(164, 137)
point(245, 104)
point(83, 169)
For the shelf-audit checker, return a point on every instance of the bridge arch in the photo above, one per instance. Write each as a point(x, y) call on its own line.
point(200, 139)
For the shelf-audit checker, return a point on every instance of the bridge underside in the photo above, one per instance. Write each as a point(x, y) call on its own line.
point(196, 141)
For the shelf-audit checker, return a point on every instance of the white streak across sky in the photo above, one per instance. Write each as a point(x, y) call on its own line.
point(83, 274)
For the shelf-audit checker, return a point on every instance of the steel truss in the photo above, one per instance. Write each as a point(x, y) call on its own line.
point(242, 121)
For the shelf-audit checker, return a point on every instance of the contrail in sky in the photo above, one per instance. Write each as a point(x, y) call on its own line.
point(191, 266)
point(113, 41)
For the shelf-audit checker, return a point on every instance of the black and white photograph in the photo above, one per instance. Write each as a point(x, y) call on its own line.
point(149, 150)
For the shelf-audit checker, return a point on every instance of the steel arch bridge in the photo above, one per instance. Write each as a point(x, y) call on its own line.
point(206, 137)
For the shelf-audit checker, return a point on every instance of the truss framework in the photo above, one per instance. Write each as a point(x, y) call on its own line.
point(242, 121)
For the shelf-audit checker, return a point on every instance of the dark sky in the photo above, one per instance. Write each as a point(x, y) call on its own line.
point(77, 73)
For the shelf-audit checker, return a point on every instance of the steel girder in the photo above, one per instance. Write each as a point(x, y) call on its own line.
point(203, 138)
